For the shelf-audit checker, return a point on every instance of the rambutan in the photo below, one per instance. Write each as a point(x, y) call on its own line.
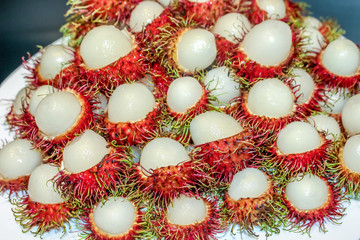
point(17, 160)
point(42, 209)
point(137, 120)
point(350, 115)
point(90, 170)
point(298, 147)
point(221, 142)
point(311, 199)
point(327, 125)
point(188, 217)
point(338, 65)
point(251, 201)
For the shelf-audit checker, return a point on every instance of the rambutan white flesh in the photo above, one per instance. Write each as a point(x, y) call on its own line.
point(341, 57)
point(195, 50)
point(21, 100)
point(165, 3)
point(143, 14)
point(313, 41)
point(18, 158)
point(162, 152)
point(307, 192)
point(350, 116)
point(183, 93)
point(271, 98)
point(130, 102)
point(84, 152)
point(211, 126)
point(298, 137)
point(275, 9)
point(54, 59)
point(114, 217)
point(104, 45)
point(351, 154)
point(57, 113)
point(148, 81)
point(232, 26)
point(40, 187)
point(312, 22)
point(222, 85)
point(186, 210)
point(335, 100)
point(268, 43)
point(326, 124)
point(304, 85)
point(248, 183)
point(38, 95)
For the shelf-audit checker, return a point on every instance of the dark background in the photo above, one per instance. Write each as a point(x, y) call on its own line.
point(24, 24)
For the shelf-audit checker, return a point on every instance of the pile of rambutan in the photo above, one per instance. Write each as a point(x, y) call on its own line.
point(179, 119)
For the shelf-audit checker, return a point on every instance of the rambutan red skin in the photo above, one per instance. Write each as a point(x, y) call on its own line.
point(44, 217)
point(324, 76)
point(310, 161)
point(204, 13)
point(227, 156)
point(203, 230)
point(14, 185)
point(225, 49)
point(90, 186)
point(132, 133)
point(331, 211)
point(91, 231)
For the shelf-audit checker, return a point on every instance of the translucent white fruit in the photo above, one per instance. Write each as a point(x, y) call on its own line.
point(143, 14)
point(232, 26)
point(211, 126)
point(312, 22)
point(307, 193)
point(21, 100)
point(268, 43)
point(326, 124)
point(183, 93)
point(103, 45)
point(304, 85)
point(313, 41)
point(101, 103)
point(335, 100)
point(198, 1)
point(248, 183)
point(18, 158)
point(162, 152)
point(222, 85)
point(135, 153)
point(54, 59)
point(350, 115)
point(196, 50)
point(351, 153)
point(186, 210)
point(148, 81)
point(130, 102)
point(298, 137)
point(57, 113)
point(39, 95)
point(341, 57)
point(115, 217)
point(271, 98)
point(275, 9)
point(84, 152)
point(165, 3)
point(41, 188)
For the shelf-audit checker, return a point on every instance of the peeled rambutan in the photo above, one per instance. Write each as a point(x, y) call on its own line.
point(221, 142)
point(311, 199)
point(350, 115)
point(137, 120)
point(165, 170)
point(338, 65)
point(188, 217)
point(326, 124)
point(251, 201)
point(42, 209)
point(114, 218)
point(299, 147)
point(90, 170)
point(17, 160)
